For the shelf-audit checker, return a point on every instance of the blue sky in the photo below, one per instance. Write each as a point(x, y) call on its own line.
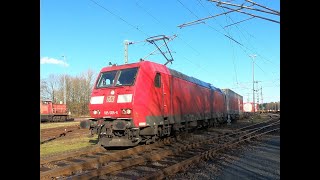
point(90, 34)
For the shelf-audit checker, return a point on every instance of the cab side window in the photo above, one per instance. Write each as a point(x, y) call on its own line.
point(157, 80)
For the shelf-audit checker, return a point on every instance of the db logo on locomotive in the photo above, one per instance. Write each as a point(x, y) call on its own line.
point(110, 99)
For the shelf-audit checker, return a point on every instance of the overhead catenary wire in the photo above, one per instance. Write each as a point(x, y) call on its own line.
point(201, 20)
point(236, 26)
point(135, 26)
point(238, 22)
point(244, 46)
point(249, 7)
point(246, 7)
point(248, 48)
point(251, 14)
point(119, 17)
point(231, 19)
point(226, 35)
point(126, 23)
point(262, 57)
point(129, 23)
point(255, 52)
point(178, 36)
point(229, 37)
point(187, 8)
point(139, 29)
point(263, 6)
point(261, 81)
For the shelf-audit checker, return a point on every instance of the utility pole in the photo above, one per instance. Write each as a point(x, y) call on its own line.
point(257, 91)
point(261, 98)
point(257, 97)
point(64, 83)
point(126, 43)
point(253, 56)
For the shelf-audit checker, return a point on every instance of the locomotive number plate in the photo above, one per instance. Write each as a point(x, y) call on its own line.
point(110, 99)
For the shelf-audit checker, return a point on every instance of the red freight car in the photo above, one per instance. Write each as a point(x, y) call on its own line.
point(234, 104)
point(141, 102)
point(51, 112)
point(219, 106)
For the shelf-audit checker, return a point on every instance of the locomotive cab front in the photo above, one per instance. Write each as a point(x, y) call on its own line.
point(111, 106)
point(130, 104)
point(112, 95)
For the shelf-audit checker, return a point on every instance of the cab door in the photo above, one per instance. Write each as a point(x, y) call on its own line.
point(166, 94)
point(161, 82)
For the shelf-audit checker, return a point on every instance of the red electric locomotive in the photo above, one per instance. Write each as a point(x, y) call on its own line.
point(51, 112)
point(141, 102)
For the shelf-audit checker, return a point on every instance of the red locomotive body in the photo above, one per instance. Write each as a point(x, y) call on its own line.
point(141, 102)
point(50, 112)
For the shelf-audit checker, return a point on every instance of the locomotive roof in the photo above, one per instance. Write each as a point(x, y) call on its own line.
point(193, 80)
point(46, 100)
point(177, 74)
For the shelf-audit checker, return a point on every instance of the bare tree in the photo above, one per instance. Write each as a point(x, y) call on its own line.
point(78, 90)
point(48, 87)
point(44, 89)
point(89, 77)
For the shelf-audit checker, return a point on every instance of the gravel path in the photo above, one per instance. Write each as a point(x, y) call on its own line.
point(260, 160)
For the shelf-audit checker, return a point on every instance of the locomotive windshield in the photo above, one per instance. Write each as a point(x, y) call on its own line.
point(123, 77)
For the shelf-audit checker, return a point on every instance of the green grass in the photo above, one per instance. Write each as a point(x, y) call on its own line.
point(64, 145)
point(54, 125)
point(257, 118)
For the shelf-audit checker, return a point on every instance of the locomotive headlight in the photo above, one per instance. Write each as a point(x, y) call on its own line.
point(126, 111)
point(112, 92)
point(96, 112)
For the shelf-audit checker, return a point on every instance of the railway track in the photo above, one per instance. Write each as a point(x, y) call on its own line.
point(155, 161)
point(53, 159)
point(207, 154)
point(70, 164)
point(50, 134)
